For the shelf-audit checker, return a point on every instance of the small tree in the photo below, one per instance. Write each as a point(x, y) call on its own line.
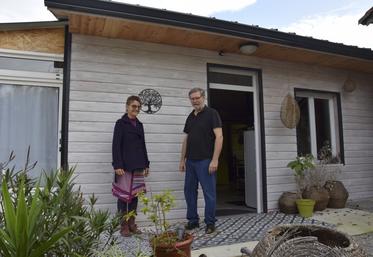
point(300, 166)
point(156, 208)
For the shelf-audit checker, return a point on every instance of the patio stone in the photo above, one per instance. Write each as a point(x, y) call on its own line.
point(249, 227)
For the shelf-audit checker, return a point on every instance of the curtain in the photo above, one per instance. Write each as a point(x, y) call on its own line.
point(29, 117)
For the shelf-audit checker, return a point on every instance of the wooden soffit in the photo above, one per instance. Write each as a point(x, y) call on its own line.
point(102, 26)
point(44, 40)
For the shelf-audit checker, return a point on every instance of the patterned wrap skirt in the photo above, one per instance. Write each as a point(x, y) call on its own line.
point(127, 186)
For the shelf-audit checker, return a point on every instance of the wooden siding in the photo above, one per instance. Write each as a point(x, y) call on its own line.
point(36, 40)
point(104, 72)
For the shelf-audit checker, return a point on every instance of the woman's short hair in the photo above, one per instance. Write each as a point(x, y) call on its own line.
point(132, 98)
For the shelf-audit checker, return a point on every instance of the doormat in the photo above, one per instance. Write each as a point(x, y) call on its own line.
point(350, 221)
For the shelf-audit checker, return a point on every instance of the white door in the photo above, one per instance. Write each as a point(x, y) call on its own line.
point(250, 169)
point(253, 179)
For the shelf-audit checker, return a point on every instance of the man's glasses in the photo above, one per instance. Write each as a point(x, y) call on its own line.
point(195, 98)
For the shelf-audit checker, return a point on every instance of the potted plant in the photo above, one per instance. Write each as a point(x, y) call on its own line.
point(164, 241)
point(317, 177)
point(315, 181)
point(338, 194)
point(300, 166)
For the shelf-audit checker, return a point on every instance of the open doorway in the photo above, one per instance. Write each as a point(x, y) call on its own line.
point(232, 94)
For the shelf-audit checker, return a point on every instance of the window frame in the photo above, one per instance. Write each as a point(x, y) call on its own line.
point(335, 116)
point(38, 79)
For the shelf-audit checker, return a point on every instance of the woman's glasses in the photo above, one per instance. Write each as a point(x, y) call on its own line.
point(135, 106)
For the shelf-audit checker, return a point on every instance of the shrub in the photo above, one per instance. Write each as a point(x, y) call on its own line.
point(61, 207)
point(300, 166)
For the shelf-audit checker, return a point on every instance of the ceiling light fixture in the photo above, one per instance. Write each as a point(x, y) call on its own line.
point(249, 48)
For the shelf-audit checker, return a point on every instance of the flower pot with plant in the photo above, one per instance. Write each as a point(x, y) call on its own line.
point(165, 241)
point(332, 166)
point(301, 165)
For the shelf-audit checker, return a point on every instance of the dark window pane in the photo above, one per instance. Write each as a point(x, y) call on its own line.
point(322, 119)
point(303, 128)
point(232, 79)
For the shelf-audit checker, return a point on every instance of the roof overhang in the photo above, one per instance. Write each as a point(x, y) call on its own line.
point(367, 18)
point(118, 20)
point(32, 25)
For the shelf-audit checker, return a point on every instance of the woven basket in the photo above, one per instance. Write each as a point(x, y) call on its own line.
point(286, 203)
point(306, 241)
point(290, 113)
point(320, 195)
point(338, 194)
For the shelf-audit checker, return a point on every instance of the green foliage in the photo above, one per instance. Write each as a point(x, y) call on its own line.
point(23, 225)
point(300, 165)
point(66, 207)
point(57, 215)
point(155, 208)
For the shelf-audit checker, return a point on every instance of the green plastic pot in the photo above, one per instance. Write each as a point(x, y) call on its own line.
point(305, 207)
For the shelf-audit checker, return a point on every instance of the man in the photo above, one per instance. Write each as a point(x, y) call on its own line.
point(199, 158)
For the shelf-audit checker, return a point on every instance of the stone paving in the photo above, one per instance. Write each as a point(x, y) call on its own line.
point(365, 240)
point(249, 227)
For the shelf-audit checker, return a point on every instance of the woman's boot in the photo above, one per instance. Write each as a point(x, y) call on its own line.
point(132, 226)
point(124, 229)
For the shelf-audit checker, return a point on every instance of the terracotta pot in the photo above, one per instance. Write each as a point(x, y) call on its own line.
point(286, 203)
point(338, 194)
point(320, 195)
point(178, 249)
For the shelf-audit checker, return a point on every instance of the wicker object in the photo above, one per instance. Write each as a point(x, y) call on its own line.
point(320, 195)
point(306, 241)
point(338, 194)
point(290, 112)
point(286, 203)
point(349, 85)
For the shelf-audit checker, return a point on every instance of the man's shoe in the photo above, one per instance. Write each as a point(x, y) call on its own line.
point(210, 228)
point(191, 226)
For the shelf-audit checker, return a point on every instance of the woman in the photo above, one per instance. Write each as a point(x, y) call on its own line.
point(130, 163)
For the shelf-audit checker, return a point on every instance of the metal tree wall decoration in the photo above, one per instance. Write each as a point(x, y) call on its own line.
point(151, 101)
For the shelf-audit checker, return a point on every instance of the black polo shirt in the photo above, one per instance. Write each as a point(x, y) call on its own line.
point(201, 137)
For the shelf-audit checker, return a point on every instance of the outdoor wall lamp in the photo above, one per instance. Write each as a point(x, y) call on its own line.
point(249, 48)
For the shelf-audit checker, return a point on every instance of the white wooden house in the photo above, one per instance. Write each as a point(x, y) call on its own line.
point(114, 50)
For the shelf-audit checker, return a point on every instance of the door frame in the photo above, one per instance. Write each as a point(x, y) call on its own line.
point(257, 90)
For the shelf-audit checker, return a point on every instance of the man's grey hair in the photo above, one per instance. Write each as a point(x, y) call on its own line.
point(197, 89)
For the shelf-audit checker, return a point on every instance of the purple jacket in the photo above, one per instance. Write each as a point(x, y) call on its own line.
point(128, 149)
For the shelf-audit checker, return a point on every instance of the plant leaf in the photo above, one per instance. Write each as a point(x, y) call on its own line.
point(41, 250)
point(9, 212)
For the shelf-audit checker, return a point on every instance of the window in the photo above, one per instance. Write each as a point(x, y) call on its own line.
point(319, 123)
point(29, 117)
point(30, 108)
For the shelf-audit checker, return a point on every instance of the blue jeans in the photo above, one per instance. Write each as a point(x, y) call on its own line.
point(198, 171)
